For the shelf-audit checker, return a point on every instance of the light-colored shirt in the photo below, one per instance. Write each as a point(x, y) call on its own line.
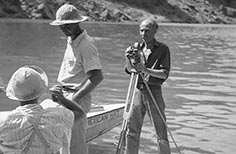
point(54, 125)
point(80, 57)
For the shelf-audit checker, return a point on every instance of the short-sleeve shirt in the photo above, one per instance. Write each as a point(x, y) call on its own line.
point(81, 56)
point(55, 126)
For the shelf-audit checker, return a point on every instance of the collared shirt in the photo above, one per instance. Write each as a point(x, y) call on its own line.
point(55, 126)
point(80, 57)
point(157, 58)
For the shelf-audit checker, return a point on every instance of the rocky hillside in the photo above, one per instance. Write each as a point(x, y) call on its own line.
point(181, 11)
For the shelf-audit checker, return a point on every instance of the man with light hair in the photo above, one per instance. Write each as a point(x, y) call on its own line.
point(154, 65)
point(80, 68)
point(32, 128)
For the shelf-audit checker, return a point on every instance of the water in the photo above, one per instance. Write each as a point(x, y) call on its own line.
point(200, 93)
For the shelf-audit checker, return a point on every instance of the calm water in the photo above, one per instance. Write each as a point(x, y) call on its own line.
point(200, 93)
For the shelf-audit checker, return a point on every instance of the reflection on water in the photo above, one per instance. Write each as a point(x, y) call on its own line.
point(200, 93)
point(203, 81)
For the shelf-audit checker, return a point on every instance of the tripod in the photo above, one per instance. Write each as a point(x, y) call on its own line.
point(128, 108)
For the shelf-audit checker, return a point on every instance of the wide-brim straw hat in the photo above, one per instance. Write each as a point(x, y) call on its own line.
point(68, 14)
point(27, 83)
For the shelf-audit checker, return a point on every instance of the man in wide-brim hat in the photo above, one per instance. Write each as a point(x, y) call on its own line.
point(31, 127)
point(68, 14)
point(80, 66)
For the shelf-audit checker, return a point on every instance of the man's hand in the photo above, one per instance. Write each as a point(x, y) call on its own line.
point(130, 61)
point(140, 67)
point(127, 51)
point(57, 94)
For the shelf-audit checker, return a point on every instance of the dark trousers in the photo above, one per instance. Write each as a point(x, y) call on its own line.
point(136, 120)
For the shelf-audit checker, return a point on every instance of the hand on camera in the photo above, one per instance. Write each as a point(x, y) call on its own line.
point(127, 51)
point(140, 67)
point(57, 94)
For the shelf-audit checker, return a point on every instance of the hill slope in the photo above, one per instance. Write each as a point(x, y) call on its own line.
point(181, 11)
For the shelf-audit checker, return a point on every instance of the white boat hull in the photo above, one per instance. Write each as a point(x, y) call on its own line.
point(99, 122)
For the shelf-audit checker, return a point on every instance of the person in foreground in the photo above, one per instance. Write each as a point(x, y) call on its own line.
point(30, 128)
point(155, 66)
point(80, 68)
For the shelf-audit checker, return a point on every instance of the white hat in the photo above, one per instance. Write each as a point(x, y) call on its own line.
point(27, 83)
point(68, 14)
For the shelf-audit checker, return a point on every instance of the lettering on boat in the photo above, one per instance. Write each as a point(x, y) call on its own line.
point(105, 117)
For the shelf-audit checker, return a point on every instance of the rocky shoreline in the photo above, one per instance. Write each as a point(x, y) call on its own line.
point(171, 11)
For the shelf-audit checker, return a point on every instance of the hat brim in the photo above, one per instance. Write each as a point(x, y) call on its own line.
point(11, 92)
point(11, 95)
point(62, 22)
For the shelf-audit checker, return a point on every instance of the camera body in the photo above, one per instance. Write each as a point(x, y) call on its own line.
point(134, 54)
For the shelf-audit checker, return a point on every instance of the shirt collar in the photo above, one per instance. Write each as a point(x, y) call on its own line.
point(29, 108)
point(156, 43)
point(147, 52)
point(78, 39)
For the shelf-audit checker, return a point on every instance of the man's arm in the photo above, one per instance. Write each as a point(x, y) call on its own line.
point(71, 105)
point(74, 107)
point(158, 73)
point(95, 77)
point(163, 71)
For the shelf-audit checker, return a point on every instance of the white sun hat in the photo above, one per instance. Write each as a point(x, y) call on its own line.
point(68, 14)
point(27, 83)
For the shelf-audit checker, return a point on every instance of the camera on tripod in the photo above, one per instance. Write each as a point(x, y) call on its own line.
point(134, 54)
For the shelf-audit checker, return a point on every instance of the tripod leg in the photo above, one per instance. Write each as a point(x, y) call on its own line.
point(159, 111)
point(128, 108)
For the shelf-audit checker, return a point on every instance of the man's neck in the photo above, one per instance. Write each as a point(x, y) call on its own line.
point(150, 44)
point(34, 101)
point(77, 33)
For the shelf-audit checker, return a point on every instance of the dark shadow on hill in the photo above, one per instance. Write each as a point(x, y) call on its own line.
point(174, 13)
point(227, 3)
point(227, 8)
point(160, 7)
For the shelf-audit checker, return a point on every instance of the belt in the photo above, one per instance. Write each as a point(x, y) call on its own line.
point(142, 86)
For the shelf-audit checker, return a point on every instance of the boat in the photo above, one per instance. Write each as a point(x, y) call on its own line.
point(101, 118)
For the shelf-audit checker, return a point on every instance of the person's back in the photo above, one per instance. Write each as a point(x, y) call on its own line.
point(34, 128)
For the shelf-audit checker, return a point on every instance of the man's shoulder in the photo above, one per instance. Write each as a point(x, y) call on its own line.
point(83, 38)
point(88, 40)
point(161, 44)
point(7, 116)
point(86, 44)
point(4, 115)
point(52, 107)
point(48, 103)
point(58, 113)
